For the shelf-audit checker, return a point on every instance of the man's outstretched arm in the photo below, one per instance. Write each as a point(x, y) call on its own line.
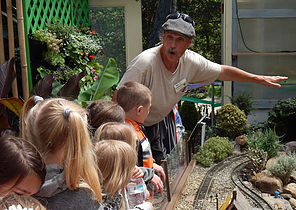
point(230, 73)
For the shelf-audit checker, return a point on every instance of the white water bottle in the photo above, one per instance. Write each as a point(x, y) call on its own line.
point(136, 192)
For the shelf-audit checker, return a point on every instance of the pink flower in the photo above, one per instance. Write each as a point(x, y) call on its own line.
point(95, 78)
point(92, 71)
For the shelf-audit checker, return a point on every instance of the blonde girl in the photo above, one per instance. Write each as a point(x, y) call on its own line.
point(58, 128)
point(117, 131)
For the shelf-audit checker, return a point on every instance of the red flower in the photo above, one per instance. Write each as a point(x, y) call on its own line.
point(82, 53)
point(93, 32)
point(89, 31)
point(79, 30)
point(102, 53)
point(92, 57)
point(86, 54)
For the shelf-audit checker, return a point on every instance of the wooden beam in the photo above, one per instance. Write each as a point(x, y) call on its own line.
point(11, 43)
point(2, 55)
point(21, 35)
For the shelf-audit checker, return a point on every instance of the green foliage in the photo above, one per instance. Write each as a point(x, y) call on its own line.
point(189, 115)
point(215, 149)
point(231, 120)
point(244, 102)
point(282, 118)
point(205, 156)
point(283, 167)
point(258, 158)
point(267, 141)
point(207, 17)
point(70, 51)
point(109, 24)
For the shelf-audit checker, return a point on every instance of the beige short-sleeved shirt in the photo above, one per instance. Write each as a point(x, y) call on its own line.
point(166, 87)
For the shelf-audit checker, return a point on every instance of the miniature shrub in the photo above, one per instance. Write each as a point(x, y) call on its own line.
point(231, 120)
point(267, 141)
point(282, 118)
point(189, 115)
point(258, 158)
point(215, 149)
point(283, 167)
point(205, 156)
point(244, 102)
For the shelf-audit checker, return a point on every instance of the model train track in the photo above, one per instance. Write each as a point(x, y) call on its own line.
point(237, 181)
point(207, 183)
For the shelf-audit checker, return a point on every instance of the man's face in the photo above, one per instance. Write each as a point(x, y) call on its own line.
point(175, 45)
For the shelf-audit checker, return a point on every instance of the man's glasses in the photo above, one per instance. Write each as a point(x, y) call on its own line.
point(177, 15)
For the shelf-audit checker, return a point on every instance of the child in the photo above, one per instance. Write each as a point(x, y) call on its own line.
point(22, 167)
point(135, 99)
point(59, 129)
point(15, 201)
point(102, 111)
point(123, 132)
point(117, 160)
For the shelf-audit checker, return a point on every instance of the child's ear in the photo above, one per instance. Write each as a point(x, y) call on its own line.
point(139, 109)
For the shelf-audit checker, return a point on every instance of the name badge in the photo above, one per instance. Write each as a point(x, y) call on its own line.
point(181, 86)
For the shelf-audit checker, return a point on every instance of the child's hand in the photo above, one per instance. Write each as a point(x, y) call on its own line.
point(137, 173)
point(157, 183)
point(159, 169)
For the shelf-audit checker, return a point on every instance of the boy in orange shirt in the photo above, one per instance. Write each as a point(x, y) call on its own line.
point(135, 99)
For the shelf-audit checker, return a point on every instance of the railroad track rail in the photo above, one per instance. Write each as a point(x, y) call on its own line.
point(205, 187)
point(237, 181)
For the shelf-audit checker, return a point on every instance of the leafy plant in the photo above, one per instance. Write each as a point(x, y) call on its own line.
point(10, 107)
point(267, 141)
point(70, 51)
point(189, 115)
point(258, 158)
point(283, 167)
point(215, 149)
point(231, 120)
point(282, 118)
point(244, 102)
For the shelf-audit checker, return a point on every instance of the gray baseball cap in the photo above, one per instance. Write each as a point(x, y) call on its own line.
point(180, 23)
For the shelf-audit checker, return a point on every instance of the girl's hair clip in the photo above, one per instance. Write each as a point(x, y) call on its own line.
point(37, 99)
point(67, 113)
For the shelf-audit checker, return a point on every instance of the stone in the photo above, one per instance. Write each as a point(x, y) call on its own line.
point(241, 140)
point(277, 203)
point(290, 146)
point(286, 196)
point(291, 189)
point(292, 201)
point(268, 183)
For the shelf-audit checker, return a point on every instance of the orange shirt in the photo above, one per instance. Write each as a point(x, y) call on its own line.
point(147, 153)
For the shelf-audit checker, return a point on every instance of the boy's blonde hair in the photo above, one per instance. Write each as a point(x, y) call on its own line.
point(116, 161)
point(57, 123)
point(102, 111)
point(117, 131)
point(132, 94)
point(26, 202)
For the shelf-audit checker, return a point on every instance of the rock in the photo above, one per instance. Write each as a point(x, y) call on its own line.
point(241, 140)
point(236, 149)
point(293, 202)
point(290, 146)
point(291, 189)
point(286, 196)
point(293, 175)
point(271, 161)
point(268, 183)
point(277, 203)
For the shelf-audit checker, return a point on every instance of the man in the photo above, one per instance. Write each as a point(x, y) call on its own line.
point(168, 68)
